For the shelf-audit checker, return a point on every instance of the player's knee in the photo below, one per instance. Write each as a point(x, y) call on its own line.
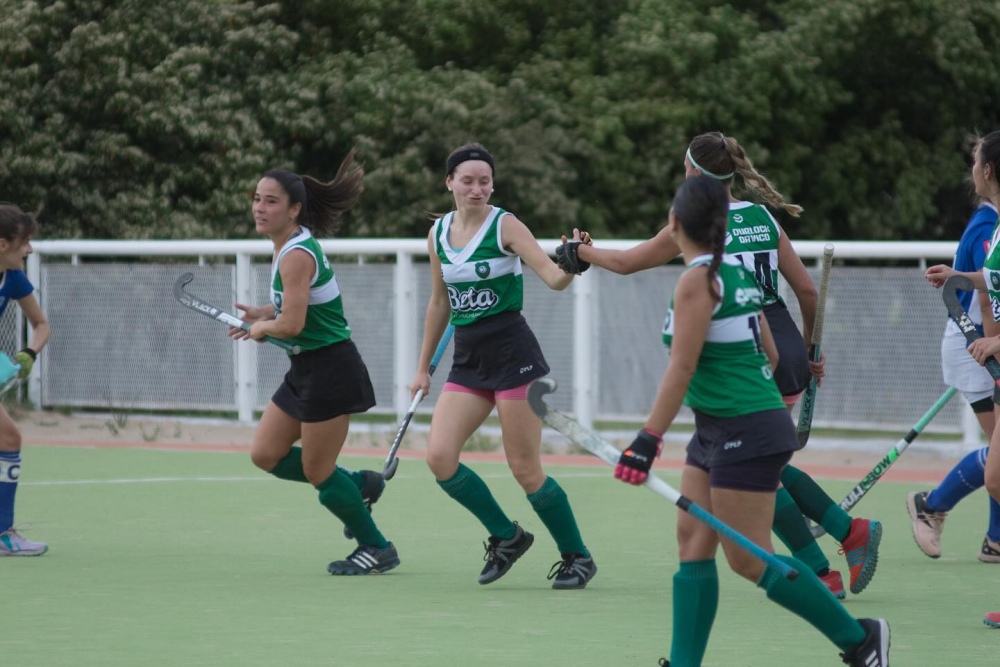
point(442, 464)
point(264, 460)
point(745, 565)
point(528, 474)
point(10, 440)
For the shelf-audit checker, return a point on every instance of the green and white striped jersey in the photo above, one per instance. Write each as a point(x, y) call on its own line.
point(483, 278)
point(991, 273)
point(733, 377)
point(325, 321)
point(752, 237)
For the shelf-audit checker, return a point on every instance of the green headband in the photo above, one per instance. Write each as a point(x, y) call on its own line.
point(697, 166)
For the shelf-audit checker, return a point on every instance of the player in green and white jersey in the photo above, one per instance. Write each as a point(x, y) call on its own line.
point(476, 253)
point(721, 355)
point(758, 241)
point(986, 179)
point(328, 380)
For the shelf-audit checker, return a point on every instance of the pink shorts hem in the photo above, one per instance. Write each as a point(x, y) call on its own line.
point(792, 399)
point(513, 394)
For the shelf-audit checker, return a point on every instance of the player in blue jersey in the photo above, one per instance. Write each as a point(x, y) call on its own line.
point(986, 179)
point(722, 357)
point(16, 230)
point(760, 243)
point(328, 381)
point(928, 509)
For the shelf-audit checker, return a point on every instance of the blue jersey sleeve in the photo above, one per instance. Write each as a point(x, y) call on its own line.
point(15, 285)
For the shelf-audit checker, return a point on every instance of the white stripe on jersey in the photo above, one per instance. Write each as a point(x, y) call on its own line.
point(466, 273)
point(324, 294)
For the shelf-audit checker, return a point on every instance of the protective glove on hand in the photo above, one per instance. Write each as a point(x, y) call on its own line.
point(26, 358)
point(635, 462)
point(568, 259)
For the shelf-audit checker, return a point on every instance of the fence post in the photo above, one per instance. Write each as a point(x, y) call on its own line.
point(404, 325)
point(585, 352)
point(34, 271)
point(246, 354)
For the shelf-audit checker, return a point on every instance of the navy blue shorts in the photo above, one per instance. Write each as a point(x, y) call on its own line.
point(744, 453)
point(496, 353)
point(792, 374)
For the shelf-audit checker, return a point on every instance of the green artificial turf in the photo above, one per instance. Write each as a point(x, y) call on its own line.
point(197, 558)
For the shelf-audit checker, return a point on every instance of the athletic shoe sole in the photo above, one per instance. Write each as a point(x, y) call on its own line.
point(871, 563)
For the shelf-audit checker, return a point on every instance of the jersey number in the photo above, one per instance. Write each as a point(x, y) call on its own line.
point(762, 269)
point(755, 328)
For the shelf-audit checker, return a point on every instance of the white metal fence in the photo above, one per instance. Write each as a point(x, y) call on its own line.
point(121, 341)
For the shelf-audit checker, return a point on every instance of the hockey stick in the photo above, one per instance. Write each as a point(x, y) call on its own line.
point(8, 373)
point(952, 287)
point(205, 308)
point(392, 461)
point(595, 445)
point(882, 466)
point(809, 397)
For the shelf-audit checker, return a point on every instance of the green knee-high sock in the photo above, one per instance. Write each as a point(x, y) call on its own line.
point(815, 504)
point(808, 597)
point(339, 495)
point(790, 527)
point(696, 598)
point(472, 493)
point(552, 507)
point(290, 468)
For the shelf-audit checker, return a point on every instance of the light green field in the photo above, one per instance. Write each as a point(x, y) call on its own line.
point(187, 558)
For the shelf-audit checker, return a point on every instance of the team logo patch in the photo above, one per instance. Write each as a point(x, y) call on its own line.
point(995, 280)
point(277, 302)
point(483, 269)
point(737, 218)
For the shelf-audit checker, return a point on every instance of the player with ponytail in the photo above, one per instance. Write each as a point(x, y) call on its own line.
point(756, 239)
point(721, 360)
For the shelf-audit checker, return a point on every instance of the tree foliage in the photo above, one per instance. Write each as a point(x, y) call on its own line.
point(153, 120)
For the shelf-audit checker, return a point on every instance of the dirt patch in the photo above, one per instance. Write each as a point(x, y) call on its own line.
point(842, 459)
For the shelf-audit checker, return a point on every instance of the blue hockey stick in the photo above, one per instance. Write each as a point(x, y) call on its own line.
point(392, 461)
point(593, 443)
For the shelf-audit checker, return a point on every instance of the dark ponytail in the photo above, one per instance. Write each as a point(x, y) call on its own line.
point(701, 206)
point(323, 204)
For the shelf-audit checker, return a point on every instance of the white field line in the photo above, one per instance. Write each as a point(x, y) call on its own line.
point(263, 478)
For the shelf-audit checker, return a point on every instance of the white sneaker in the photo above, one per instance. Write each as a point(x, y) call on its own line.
point(927, 525)
point(12, 544)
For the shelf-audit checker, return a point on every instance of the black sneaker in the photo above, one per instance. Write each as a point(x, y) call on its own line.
point(366, 560)
point(573, 571)
point(501, 554)
point(371, 491)
point(874, 650)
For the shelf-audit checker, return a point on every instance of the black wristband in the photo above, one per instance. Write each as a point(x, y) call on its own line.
point(28, 351)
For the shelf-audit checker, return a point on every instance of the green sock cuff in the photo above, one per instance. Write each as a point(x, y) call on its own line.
point(547, 495)
point(455, 483)
point(699, 569)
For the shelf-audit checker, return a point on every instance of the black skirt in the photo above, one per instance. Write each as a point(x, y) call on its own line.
point(497, 353)
point(792, 374)
point(326, 383)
